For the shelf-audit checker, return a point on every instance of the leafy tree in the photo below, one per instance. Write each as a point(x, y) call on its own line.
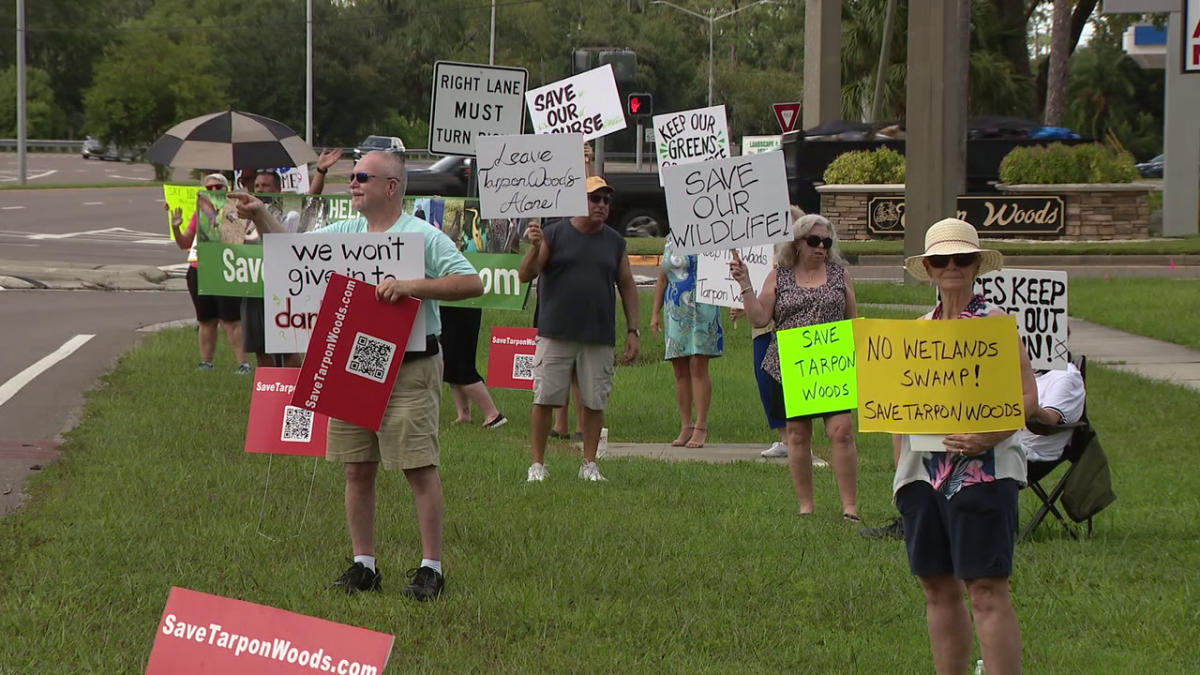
point(44, 119)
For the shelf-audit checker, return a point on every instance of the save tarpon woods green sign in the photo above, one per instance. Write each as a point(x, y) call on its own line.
point(502, 289)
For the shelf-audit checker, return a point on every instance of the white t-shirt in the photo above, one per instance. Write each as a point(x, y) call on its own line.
point(1063, 391)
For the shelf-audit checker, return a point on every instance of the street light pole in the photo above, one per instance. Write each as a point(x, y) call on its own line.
point(710, 20)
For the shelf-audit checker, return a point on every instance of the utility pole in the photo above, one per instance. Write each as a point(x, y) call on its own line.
point(22, 162)
point(308, 72)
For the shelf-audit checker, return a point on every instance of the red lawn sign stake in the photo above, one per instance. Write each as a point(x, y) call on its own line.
point(276, 426)
point(510, 359)
point(787, 114)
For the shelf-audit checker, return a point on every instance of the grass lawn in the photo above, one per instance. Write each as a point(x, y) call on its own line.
point(673, 567)
point(1157, 246)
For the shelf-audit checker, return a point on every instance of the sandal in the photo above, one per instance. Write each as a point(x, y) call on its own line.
point(559, 435)
point(851, 517)
point(685, 435)
point(693, 443)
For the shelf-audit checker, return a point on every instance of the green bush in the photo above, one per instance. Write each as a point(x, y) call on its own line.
point(861, 167)
point(1058, 163)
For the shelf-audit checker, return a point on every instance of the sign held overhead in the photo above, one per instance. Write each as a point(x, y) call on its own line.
point(586, 104)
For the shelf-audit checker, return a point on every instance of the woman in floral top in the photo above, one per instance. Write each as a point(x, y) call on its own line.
point(959, 505)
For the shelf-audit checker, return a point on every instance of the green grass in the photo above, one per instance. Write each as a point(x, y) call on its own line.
point(1180, 246)
point(667, 567)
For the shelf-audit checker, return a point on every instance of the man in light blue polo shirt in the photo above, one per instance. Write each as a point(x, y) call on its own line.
point(408, 437)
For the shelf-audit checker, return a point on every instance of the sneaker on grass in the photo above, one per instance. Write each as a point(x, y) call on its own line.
point(777, 449)
point(537, 473)
point(893, 530)
point(499, 421)
point(589, 471)
point(243, 369)
point(426, 584)
point(205, 365)
point(819, 463)
point(358, 578)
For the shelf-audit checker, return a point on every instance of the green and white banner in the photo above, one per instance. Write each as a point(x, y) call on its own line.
point(502, 289)
point(230, 269)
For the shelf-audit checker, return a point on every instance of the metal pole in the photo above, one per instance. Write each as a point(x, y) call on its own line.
point(21, 137)
point(639, 144)
point(492, 41)
point(711, 28)
point(308, 73)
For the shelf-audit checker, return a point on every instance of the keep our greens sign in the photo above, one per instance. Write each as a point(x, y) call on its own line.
point(230, 269)
point(502, 288)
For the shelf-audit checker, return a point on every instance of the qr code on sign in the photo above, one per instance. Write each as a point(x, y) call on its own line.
point(371, 357)
point(522, 367)
point(297, 425)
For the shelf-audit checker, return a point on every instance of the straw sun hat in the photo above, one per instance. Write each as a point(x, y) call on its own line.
point(950, 236)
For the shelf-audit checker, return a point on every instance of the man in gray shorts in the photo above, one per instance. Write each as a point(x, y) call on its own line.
point(408, 438)
point(581, 261)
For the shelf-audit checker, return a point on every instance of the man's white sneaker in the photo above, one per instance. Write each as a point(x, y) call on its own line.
point(818, 462)
point(537, 473)
point(777, 449)
point(589, 471)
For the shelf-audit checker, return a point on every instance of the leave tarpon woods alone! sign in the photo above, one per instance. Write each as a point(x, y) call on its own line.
point(993, 216)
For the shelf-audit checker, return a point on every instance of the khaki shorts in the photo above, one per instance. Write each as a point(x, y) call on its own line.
point(408, 437)
point(552, 364)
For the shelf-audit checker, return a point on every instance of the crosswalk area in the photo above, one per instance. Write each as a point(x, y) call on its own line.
point(109, 234)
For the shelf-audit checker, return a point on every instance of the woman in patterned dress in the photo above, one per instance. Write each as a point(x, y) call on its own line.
point(960, 505)
point(693, 336)
point(808, 286)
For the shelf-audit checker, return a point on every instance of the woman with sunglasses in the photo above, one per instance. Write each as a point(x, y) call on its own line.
point(959, 506)
point(809, 285)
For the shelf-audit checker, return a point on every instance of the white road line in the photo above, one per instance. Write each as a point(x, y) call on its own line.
point(11, 208)
point(93, 203)
point(113, 175)
point(67, 235)
point(18, 381)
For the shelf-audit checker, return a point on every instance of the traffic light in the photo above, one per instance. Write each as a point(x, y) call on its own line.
point(639, 104)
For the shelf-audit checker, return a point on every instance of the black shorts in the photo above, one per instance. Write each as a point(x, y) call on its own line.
point(778, 408)
point(254, 337)
point(209, 307)
point(971, 535)
point(460, 335)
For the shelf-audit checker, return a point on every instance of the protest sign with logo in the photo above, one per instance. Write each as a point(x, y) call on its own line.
point(276, 426)
point(586, 104)
point(297, 267)
point(470, 101)
point(202, 633)
point(714, 284)
point(182, 197)
point(691, 136)
point(510, 359)
point(233, 270)
point(531, 175)
point(939, 377)
point(502, 287)
point(1038, 298)
point(728, 203)
point(817, 368)
point(355, 354)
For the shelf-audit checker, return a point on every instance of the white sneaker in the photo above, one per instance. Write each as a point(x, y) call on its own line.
point(777, 449)
point(589, 471)
point(818, 463)
point(537, 473)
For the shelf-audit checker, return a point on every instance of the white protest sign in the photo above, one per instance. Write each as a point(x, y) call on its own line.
point(292, 179)
point(531, 175)
point(728, 203)
point(586, 104)
point(691, 136)
point(752, 145)
point(1038, 298)
point(715, 286)
point(297, 266)
point(470, 101)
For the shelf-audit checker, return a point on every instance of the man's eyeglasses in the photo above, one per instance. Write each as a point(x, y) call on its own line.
point(816, 242)
point(600, 199)
point(364, 177)
point(960, 260)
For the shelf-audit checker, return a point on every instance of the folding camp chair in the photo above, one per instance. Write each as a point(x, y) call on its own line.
point(1082, 444)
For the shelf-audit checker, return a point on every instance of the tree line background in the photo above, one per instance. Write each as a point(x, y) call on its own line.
point(126, 70)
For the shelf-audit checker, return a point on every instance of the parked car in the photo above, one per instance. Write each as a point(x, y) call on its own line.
point(377, 143)
point(1152, 168)
point(94, 148)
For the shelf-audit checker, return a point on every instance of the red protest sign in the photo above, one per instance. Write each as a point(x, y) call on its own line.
point(787, 114)
point(510, 359)
point(202, 633)
point(276, 426)
point(354, 354)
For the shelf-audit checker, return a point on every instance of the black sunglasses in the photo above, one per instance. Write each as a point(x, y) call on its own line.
point(960, 260)
point(816, 242)
point(364, 177)
point(214, 187)
point(599, 199)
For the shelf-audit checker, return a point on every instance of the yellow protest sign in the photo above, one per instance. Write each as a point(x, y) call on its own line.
point(817, 365)
point(180, 197)
point(939, 377)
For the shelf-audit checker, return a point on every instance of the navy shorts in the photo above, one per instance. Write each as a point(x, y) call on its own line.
point(971, 535)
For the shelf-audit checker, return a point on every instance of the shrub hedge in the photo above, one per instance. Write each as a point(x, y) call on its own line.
point(1058, 163)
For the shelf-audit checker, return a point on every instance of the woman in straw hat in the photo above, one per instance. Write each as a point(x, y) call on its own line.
point(809, 285)
point(960, 506)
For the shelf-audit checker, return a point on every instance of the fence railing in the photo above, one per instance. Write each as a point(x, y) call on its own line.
point(41, 145)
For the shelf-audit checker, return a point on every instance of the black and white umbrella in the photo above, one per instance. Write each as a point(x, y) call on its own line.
point(230, 140)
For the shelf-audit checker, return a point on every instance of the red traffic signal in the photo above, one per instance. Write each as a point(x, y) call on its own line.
point(639, 104)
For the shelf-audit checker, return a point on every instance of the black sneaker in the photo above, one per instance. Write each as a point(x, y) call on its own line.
point(358, 578)
point(427, 584)
point(893, 530)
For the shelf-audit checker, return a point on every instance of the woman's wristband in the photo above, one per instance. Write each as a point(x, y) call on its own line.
point(747, 289)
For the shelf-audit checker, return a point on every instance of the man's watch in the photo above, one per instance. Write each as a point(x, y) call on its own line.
point(322, 171)
point(636, 333)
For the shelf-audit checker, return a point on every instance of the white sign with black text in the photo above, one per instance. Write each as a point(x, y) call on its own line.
point(1038, 298)
point(714, 285)
point(727, 203)
point(470, 101)
point(586, 104)
point(531, 175)
point(691, 136)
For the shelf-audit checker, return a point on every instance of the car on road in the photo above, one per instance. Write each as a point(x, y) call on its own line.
point(377, 143)
point(447, 177)
point(1152, 168)
point(94, 148)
